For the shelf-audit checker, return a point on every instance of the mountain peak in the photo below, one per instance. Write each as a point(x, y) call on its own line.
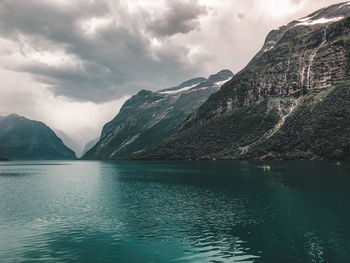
point(14, 115)
point(221, 75)
point(199, 83)
point(150, 117)
point(189, 83)
point(21, 138)
point(336, 10)
point(144, 93)
point(321, 17)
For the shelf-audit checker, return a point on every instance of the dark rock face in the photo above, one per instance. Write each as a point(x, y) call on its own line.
point(290, 102)
point(149, 117)
point(24, 139)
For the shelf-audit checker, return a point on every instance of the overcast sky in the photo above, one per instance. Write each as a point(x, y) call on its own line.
point(72, 64)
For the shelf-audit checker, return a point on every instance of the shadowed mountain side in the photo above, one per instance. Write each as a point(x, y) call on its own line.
point(21, 138)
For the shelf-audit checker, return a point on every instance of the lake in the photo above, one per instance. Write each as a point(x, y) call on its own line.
point(56, 211)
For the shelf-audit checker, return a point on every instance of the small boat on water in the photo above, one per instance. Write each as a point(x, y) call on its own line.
point(266, 167)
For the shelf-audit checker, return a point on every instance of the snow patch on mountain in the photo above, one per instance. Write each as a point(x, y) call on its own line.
point(220, 83)
point(322, 20)
point(217, 85)
point(268, 49)
point(308, 18)
point(170, 92)
point(348, 3)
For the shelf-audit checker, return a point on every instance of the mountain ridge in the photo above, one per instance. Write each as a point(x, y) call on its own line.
point(149, 117)
point(309, 59)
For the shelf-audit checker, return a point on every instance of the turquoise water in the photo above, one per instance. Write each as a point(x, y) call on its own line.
point(174, 212)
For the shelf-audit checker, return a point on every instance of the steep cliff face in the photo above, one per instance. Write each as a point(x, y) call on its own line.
point(149, 117)
point(297, 73)
point(306, 58)
point(21, 138)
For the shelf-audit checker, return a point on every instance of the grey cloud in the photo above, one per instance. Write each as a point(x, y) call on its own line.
point(91, 81)
point(117, 60)
point(121, 58)
point(180, 17)
point(35, 17)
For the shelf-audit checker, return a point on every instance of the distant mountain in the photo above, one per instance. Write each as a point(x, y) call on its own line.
point(89, 145)
point(21, 138)
point(149, 117)
point(70, 142)
point(292, 101)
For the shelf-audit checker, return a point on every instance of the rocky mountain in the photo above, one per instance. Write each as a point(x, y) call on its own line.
point(290, 102)
point(149, 117)
point(21, 138)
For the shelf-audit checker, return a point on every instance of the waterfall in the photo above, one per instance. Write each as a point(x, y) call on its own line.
point(314, 53)
point(302, 72)
point(285, 73)
point(284, 116)
point(278, 126)
point(301, 69)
